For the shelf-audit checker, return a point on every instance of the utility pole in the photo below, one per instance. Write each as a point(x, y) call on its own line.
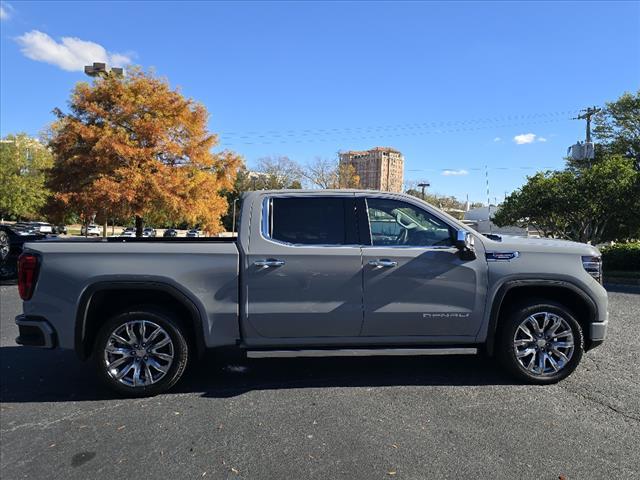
point(586, 114)
point(99, 69)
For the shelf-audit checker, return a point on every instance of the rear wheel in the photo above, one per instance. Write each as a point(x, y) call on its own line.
point(141, 352)
point(540, 342)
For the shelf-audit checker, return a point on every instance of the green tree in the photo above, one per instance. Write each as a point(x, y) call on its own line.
point(595, 200)
point(24, 163)
point(617, 127)
point(588, 205)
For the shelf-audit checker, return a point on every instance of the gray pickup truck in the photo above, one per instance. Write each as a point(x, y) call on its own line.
point(315, 273)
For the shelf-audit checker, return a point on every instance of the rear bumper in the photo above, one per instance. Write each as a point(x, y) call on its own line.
point(35, 332)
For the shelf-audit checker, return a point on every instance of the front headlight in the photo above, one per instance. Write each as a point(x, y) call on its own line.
point(593, 266)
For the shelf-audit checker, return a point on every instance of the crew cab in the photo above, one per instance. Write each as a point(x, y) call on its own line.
point(314, 273)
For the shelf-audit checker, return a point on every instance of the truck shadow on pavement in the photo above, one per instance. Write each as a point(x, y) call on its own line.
point(33, 375)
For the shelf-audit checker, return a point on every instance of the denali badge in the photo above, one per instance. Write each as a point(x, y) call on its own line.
point(445, 315)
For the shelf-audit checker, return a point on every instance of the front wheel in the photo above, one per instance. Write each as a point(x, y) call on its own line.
point(540, 342)
point(141, 352)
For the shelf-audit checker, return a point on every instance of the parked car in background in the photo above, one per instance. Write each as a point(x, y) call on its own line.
point(128, 233)
point(91, 229)
point(170, 232)
point(60, 229)
point(149, 232)
point(12, 239)
point(41, 227)
point(24, 228)
point(194, 232)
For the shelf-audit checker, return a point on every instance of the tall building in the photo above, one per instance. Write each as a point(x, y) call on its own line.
point(381, 168)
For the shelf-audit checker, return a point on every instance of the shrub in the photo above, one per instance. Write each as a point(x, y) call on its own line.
point(622, 256)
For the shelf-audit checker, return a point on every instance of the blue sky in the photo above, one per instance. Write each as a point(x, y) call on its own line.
point(451, 85)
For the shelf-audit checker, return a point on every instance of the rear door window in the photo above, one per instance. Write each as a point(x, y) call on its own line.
point(312, 221)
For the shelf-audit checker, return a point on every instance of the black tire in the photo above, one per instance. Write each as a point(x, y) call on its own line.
point(180, 350)
point(506, 349)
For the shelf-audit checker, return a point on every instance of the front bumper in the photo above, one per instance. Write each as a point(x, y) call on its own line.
point(597, 334)
point(35, 332)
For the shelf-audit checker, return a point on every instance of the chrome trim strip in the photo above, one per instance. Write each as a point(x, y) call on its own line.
point(360, 352)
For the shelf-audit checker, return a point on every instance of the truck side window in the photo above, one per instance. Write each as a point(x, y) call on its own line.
point(393, 222)
point(308, 221)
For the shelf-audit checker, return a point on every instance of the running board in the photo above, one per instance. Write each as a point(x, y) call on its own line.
point(360, 352)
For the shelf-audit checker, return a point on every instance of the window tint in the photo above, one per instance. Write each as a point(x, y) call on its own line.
point(393, 222)
point(308, 221)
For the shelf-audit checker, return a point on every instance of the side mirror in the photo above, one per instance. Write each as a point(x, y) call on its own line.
point(465, 243)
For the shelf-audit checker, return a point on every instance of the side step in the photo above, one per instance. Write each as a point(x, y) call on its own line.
point(360, 352)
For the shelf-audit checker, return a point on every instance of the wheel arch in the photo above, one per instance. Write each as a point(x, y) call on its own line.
point(101, 300)
point(514, 291)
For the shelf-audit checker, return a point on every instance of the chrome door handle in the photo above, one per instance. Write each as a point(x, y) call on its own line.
point(383, 262)
point(269, 262)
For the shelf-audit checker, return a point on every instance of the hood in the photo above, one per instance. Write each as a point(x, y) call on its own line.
point(541, 245)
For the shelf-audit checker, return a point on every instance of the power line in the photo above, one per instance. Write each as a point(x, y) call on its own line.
point(364, 133)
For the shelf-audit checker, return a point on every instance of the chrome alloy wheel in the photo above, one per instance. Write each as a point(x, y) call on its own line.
point(543, 343)
point(139, 353)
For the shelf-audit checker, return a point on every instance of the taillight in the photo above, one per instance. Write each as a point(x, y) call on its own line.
point(27, 274)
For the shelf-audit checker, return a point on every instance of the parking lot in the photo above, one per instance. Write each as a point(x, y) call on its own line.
point(433, 417)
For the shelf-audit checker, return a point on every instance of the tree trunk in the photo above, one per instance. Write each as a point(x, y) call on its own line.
point(139, 225)
point(105, 225)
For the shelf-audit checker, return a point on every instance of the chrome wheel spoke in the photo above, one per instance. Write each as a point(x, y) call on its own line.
point(147, 374)
point(526, 352)
point(154, 335)
point(162, 356)
point(161, 343)
point(143, 331)
point(136, 374)
point(552, 362)
point(120, 374)
point(118, 363)
point(132, 335)
point(157, 366)
point(120, 340)
point(562, 356)
point(117, 350)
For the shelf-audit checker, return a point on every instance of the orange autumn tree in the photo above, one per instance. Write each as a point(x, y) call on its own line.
point(132, 146)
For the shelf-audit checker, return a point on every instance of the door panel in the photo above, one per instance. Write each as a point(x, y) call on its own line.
point(428, 292)
point(304, 290)
point(415, 282)
point(316, 293)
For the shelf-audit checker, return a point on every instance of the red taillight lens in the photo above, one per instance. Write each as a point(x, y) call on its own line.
point(27, 274)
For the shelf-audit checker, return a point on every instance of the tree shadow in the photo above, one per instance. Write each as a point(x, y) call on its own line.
point(34, 375)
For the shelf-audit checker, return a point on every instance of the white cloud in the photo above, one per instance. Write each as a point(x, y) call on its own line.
point(71, 54)
point(452, 173)
point(542, 139)
point(5, 11)
point(497, 139)
point(525, 138)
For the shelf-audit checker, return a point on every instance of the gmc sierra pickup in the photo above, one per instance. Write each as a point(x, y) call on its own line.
point(315, 273)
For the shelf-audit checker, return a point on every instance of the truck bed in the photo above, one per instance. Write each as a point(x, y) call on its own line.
point(204, 270)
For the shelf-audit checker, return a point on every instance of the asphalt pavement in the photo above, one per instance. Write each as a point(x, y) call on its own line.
point(354, 418)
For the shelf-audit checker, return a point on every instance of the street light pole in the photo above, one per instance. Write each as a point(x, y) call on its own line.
point(99, 69)
point(423, 186)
